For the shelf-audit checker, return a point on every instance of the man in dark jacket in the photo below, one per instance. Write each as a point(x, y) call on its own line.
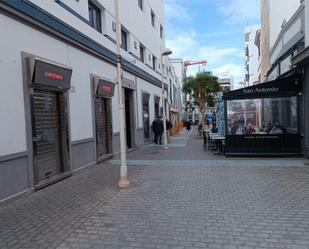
point(157, 128)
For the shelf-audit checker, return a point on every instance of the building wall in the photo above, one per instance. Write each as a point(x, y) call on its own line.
point(12, 113)
point(252, 59)
point(265, 60)
point(16, 165)
point(178, 66)
point(138, 26)
point(273, 13)
point(280, 10)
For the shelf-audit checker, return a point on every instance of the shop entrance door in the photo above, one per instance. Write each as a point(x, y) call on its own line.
point(129, 116)
point(48, 134)
point(103, 127)
point(156, 106)
point(146, 120)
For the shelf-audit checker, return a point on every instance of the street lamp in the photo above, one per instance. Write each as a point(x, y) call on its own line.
point(164, 52)
point(123, 183)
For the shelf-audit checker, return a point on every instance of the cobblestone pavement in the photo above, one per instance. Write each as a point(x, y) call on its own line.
point(236, 204)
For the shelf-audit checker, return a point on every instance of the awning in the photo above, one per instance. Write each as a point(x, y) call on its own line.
point(288, 84)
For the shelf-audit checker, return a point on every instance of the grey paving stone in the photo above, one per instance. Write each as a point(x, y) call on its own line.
point(180, 202)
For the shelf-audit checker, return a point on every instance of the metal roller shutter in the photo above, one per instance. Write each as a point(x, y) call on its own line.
point(48, 131)
point(103, 126)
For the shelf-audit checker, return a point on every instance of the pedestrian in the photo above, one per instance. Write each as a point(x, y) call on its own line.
point(188, 126)
point(160, 129)
point(157, 128)
point(154, 130)
point(168, 127)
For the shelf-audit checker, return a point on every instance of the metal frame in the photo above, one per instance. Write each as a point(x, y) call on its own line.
point(94, 79)
point(132, 117)
point(142, 94)
point(27, 69)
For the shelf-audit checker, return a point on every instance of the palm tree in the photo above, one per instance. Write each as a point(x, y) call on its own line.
point(201, 88)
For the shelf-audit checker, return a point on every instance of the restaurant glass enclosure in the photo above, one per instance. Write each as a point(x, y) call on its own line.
point(264, 119)
point(262, 116)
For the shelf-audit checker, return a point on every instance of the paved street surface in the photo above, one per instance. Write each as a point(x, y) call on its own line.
point(180, 198)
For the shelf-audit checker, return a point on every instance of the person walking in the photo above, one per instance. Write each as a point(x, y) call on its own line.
point(157, 128)
point(188, 125)
point(168, 129)
point(154, 130)
point(160, 129)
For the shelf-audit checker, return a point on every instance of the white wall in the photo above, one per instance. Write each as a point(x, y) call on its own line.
point(80, 101)
point(20, 38)
point(81, 7)
point(12, 112)
point(12, 115)
point(278, 11)
point(138, 24)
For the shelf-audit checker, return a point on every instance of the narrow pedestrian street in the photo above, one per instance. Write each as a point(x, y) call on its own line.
point(178, 198)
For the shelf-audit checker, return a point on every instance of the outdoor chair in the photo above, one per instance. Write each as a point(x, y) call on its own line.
point(208, 144)
point(205, 141)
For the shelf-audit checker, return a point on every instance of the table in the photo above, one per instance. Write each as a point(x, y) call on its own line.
point(219, 141)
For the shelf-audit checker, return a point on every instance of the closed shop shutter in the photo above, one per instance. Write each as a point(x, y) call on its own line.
point(103, 126)
point(48, 133)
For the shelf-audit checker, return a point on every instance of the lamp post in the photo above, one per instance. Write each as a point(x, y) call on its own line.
point(164, 52)
point(123, 183)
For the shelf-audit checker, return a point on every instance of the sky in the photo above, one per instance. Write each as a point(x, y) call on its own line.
point(211, 30)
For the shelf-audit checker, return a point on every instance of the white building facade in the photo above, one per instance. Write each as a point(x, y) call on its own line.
point(178, 103)
point(274, 13)
point(226, 82)
point(59, 97)
point(252, 56)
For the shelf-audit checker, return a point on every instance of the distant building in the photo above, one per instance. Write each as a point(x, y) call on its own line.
point(178, 65)
point(252, 56)
point(226, 82)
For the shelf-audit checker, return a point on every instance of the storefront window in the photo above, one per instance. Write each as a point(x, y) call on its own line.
point(262, 116)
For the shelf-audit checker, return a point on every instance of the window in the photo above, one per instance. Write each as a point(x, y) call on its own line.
point(142, 53)
point(262, 116)
point(247, 37)
point(140, 4)
point(153, 17)
point(94, 16)
point(154, 62)
point(124, 40)
point(161, 31)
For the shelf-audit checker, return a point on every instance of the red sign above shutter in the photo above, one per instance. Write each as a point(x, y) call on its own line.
point(107, 89)
point(52, 75)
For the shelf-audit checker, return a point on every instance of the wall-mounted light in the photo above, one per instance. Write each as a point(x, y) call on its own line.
point(113, 26)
